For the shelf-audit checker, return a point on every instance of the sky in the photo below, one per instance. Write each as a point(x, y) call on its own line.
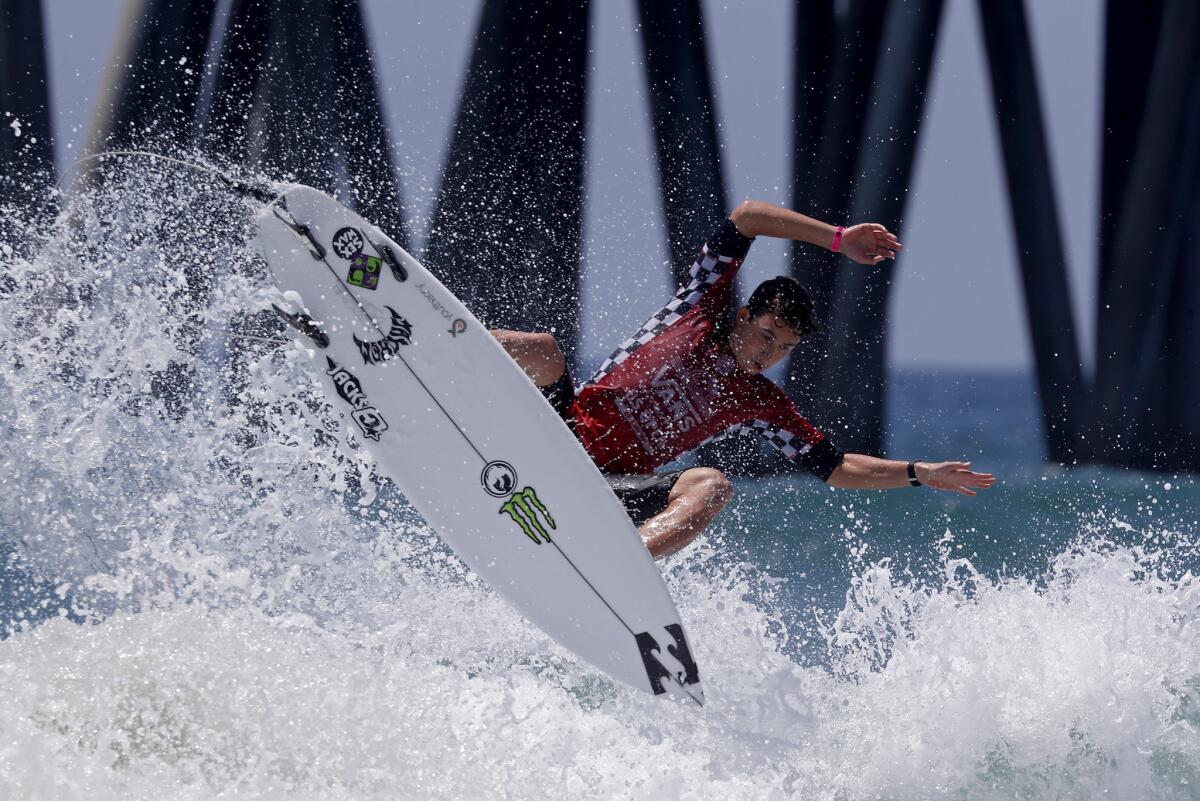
point(956, 302)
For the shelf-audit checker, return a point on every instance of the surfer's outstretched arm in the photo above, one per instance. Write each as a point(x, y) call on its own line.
point(859, 471)
point(867, 243)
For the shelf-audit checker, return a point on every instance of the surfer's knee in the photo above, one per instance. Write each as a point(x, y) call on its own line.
point(718, 488)
point(538, 354)
point(709, 485)
point(549, 363)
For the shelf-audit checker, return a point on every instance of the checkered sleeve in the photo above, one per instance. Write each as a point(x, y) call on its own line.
point(709, 280)
point(793, 436)
point(819, 457)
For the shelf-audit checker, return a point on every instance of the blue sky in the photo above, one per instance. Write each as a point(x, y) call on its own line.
point(957, 300)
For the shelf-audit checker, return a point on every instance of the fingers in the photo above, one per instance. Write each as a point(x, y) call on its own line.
point(870, 243)
point(955, 477)
point(982, 480)
point(961, 489)
point(874, 256)
point(952, 486)
point(886, 242)
point(866, 257)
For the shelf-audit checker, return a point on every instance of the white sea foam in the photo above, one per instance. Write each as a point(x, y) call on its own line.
point(1086, 687)
point(253, 631)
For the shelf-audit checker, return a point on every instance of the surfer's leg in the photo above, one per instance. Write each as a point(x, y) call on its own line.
point(537, 354)
point(694, 501)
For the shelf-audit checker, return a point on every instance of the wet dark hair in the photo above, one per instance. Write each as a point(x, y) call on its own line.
point(786, 299)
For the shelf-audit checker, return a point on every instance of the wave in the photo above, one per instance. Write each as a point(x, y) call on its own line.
point(237, 606)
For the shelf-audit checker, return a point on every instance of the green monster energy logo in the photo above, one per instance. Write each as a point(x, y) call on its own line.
point(528, 511)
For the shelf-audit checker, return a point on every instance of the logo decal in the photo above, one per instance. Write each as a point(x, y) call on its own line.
point(528, 512)
point(364, 271)
point(457, 326)
point(348, 243)
point(498, 478)
point(672, 402)
point(367, 416)
point(380, 351)
point(652, 657)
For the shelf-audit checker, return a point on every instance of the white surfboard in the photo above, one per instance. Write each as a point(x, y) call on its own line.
point(472, 443)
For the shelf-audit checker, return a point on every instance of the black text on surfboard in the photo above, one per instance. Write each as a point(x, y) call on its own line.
point(381, 350)
point(458, 326)
point(367, 416)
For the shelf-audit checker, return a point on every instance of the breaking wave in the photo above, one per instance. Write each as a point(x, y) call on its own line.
point(212, 595)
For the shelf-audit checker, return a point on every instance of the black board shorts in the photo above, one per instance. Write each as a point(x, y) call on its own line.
point(643, 496)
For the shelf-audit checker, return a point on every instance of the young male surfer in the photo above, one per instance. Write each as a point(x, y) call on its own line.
point(689, 376)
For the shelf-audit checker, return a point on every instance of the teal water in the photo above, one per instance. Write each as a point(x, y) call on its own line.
point(817, 539)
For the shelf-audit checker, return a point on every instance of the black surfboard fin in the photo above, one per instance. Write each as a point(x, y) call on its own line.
point(314, 247)
point(305, 324)
point(389, 257)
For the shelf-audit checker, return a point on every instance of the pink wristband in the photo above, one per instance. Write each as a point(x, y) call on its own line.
point(837, 239)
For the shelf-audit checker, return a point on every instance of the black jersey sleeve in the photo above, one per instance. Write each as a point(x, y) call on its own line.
point(727, 242)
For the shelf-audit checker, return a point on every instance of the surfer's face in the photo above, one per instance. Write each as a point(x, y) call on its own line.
point(761, 342)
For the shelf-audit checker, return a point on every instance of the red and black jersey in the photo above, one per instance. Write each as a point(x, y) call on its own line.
point(675, 384)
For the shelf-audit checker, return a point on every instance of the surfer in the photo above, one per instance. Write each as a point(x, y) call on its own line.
point(690, 375)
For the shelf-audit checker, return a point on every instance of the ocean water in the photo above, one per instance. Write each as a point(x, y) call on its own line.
point(206, 594)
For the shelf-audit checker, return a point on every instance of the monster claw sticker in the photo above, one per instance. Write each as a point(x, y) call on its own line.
point(348, 387)
point(528, 512)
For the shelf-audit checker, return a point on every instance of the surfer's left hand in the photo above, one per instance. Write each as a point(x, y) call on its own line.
point(953, 477)
point(869, 243)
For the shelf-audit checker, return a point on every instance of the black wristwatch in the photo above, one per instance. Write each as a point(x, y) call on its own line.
point(912, 475)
